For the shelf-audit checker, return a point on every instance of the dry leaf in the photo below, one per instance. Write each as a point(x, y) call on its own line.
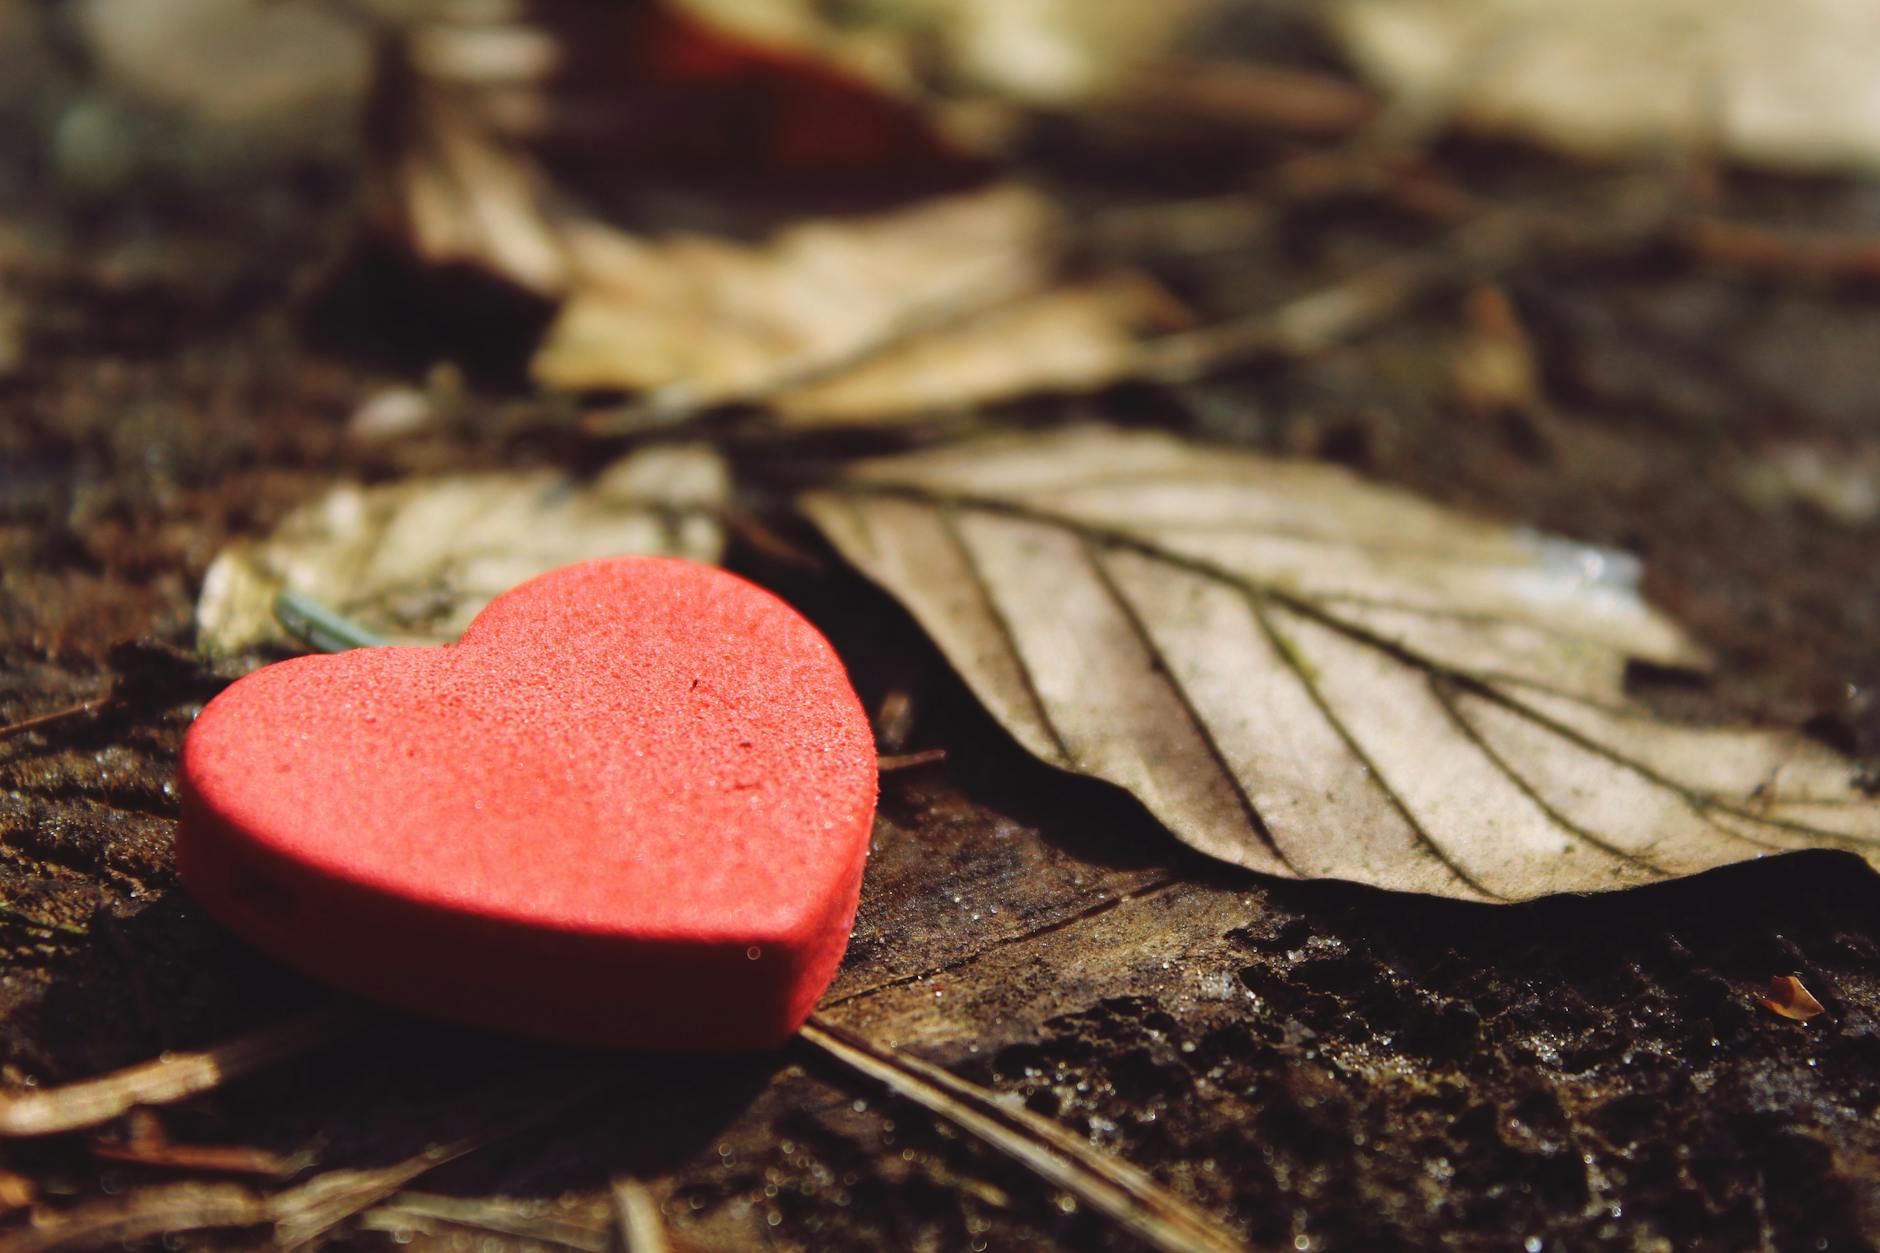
point(1787, 997)
point(1073, 338)
point(1313, 676)
point(418, 559)
point(945, 302)
point(1788, 84)
point(1841, 483)
point(503, 146)
point(233, 62)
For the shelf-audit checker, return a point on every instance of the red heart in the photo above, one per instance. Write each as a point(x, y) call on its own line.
point(629, 807)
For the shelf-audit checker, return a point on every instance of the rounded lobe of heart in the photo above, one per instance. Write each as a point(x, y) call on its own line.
point(629, 807)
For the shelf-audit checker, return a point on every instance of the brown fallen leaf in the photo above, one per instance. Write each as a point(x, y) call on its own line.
point(1787, 85)
point(1309, 675)
point(1786, 996)
point(1042, 52)
point(418, 559)
point(721, 222)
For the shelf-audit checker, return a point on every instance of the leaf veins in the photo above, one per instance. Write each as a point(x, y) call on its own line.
point(1312, 676)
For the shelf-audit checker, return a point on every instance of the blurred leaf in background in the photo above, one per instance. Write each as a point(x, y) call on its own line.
point(1790, 85)
point(722, 220)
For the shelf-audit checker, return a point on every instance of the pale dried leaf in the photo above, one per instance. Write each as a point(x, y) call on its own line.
point(721, 318)
point(1071, 338)
point(1840, 483)
point(932, 302)
point(1788, 84)
point(1313, 676)
point(234, 62)
point(416, 560)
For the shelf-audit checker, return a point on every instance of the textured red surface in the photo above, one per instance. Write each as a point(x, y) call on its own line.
point(629, 807)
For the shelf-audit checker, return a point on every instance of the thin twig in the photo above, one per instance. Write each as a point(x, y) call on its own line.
point(1310, 324)
point(95, 705)
point(1761, 250)
point(149, 1145)
point(907, 761)
point(1260, 98)
point(747, 527)
point(170, 1078)
point(1107, 1184)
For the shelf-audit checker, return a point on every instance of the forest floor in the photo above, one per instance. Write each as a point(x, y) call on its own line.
point(1314, 1065)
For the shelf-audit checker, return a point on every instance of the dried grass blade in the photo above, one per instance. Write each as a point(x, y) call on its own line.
point(302, 1215)
point(423, 1211)
point(305, 1213)
point(1127, 1194)
point(637, 1219)
point(142, 1214)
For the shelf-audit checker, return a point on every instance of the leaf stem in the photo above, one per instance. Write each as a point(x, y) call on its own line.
point(320, 628)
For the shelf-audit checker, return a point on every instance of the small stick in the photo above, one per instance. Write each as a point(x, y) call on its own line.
point(1761, 250)
point(213, 1159)
point(907, 761)
point(1310, 324)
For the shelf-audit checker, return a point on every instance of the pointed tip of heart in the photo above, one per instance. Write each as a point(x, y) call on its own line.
point(630, 807)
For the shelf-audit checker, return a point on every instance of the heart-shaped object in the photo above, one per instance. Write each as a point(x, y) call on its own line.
point(629, 807)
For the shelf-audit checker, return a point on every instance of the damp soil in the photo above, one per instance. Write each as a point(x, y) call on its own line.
point(1317, 1066)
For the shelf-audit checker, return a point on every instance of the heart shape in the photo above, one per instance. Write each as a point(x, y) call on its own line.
point(629, 807)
